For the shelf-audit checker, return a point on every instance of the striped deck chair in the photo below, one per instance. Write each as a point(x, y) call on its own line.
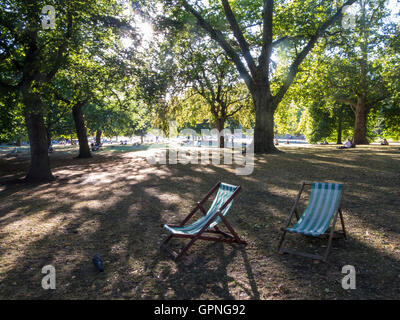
point(323, 205)
point(208, 222)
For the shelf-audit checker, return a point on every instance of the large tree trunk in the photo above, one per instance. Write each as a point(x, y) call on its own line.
point(264, 127)
point(48, 136)
point(98, 137)
point(39, 169)
point(84, 151)
point(360, 124)
point(220, 124)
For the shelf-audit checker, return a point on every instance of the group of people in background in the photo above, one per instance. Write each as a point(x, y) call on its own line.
point(95, 146)
point(350, 144)
point(346, 145)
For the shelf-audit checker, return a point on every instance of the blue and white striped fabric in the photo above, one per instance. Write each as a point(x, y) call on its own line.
point(323, 204)
point(223, 194)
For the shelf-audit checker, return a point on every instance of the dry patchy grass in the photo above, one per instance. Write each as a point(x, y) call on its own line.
point(114, 204)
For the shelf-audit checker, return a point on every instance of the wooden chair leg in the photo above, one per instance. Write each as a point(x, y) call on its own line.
point(331, 236)
point(232, 231)
point(219, 231)
point(292, 212)
point(164, 246)
point(204, 228)
point(186, 248)
point(342, 222)
point(297, 214)
point(281, 241)
point(167, 240)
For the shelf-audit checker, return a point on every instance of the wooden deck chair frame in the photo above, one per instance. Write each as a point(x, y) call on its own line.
point(332, 233)
point(229, 238)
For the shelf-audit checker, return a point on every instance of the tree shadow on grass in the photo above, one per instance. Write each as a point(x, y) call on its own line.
point(377, 272)
point(119, 214)
point(119, 236)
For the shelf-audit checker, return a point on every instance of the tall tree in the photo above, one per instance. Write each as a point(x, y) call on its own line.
point(33, 49)
point(211, 76)
point(355, 73)
point(276, 25)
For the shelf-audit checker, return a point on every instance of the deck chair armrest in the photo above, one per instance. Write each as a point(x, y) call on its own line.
point(289, 219)
point(199, 205)
point(294, 208)
point(190, 215)
point(218, 213)
point(184, 221)
point(209, 194)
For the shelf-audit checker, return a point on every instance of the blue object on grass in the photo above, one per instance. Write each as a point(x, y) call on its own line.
point(98, 263)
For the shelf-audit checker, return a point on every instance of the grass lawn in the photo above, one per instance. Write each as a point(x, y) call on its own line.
point(114, 204)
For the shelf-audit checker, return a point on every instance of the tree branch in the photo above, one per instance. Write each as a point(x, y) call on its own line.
point(61, 50)
point(244, 46)
point(235, 111)
point(287, 38)
point(303, 53)
point(266, 49)
point(217, 36)
point(347, 101)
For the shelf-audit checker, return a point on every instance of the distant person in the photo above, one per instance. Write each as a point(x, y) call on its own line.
point(276, 142)
point(287, 141)
point(94, 147)
point(244, 147)
point(385, 142)
point(325, 142)
point(347, 145)
point(51, 149)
